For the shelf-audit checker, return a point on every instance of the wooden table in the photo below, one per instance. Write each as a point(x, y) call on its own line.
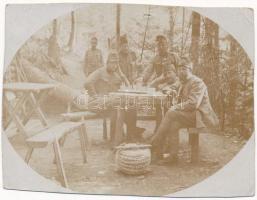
point(126, 97)
point(31, 93)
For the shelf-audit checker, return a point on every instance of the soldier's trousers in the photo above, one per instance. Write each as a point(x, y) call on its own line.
point(173, 121)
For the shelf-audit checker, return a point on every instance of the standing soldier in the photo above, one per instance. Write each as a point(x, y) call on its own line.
point(93, 58)
point(127, 60)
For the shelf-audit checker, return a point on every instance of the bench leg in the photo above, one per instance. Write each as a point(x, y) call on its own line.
point(194, 142)
point(62, 140)
point(28, 155)
point(82, 134)
point(105, 137)
point(59, 163)
point(87, 143)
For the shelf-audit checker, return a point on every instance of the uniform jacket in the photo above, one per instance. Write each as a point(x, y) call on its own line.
point(93, 61)
point(194, 97)
point(158, 65)
point(100, 82)
point(126, 61)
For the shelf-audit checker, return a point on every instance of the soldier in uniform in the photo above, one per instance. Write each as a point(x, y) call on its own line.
point(161, 60)
point(127, 60)
point(93, 58)
point(194, 110)
point(163, 68)
point(103, 81)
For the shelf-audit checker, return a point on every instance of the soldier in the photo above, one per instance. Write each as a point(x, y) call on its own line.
point(93, 58)
point(127, 60)
point(162, 59)
point(103, 81)
point(194, 110)
point(161, 71)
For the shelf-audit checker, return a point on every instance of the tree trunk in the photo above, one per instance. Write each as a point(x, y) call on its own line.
point(210, 66)
point(54, 32)
point(172, 27)
point(183, 30)
point(194, 50)
point(72, 32)
point(118, 26)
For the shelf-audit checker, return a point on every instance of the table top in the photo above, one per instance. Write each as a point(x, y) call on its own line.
point(138, 94)
point(27, 86)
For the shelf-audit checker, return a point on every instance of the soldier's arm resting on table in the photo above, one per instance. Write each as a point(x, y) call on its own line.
point(123, 77)
point(157, 81)
point(147, 74)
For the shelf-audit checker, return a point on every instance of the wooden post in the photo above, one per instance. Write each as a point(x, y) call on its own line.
point(194, 142)
point(105, 136)
point(119, 132)
point(146, 27)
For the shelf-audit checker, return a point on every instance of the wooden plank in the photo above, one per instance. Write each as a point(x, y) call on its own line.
point(79, 115)
point(59, 163)
point(202, 130)
point(27, 86)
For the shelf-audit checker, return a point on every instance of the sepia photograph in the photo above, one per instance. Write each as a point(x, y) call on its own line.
point(125, 99)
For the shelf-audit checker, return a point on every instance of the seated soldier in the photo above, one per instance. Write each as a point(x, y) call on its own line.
point(194, 99)
point(162, 59)
point(103, 81)
point(162, 68)
point(165, 83)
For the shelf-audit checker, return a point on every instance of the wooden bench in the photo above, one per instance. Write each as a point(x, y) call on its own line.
point(53, 135)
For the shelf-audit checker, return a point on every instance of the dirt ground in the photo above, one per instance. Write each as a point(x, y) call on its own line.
point(99, 174)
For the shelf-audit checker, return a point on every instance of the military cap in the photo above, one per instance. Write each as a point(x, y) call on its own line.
point(161, 38)
point(185, 62)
